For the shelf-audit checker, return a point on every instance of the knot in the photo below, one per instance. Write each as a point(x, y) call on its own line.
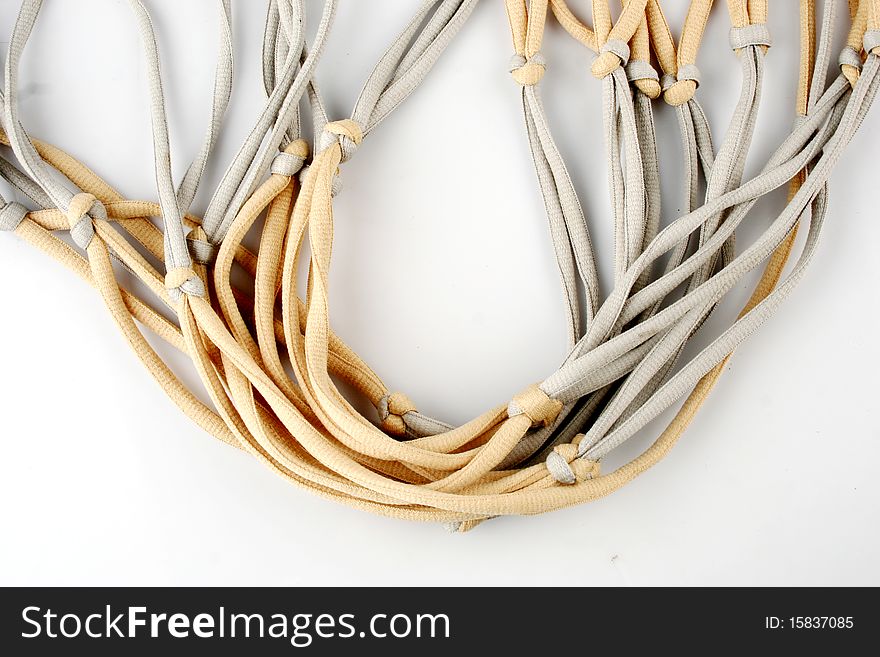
point(289, 162)
point(535, 404)
point(11, 215)
point(528, 72)
point(871, 42)
point(850, 61)
point(679, 89)
point(567, 467)
point(849, 56)
point(347, 133)
point(391, 409)
point(201, 250)
point(644, 76)
point(82, 210)
point(612, 55)
point(750, 35)
point(183, 280)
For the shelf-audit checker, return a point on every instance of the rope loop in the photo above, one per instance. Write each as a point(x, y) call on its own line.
point(679, 89)
point(644, 76)
point(849, 56)
point(613, 54)
point(535, 404)
point(392, 408)
point(755, 34)
point(528, 72)
point(872, 42)
point(290, 162)
point(347, 133)
point(82, 210)
point(11, 215)
point(567, 467)
point(183, 281)
point(201, 250)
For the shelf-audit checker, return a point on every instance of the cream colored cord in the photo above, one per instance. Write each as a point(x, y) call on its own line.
point(620, 373)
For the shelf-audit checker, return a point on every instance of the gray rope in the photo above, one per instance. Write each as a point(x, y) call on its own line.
point(255, 156)
point(11, 215)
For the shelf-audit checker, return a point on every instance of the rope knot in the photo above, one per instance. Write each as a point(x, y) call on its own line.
point(201, 250)
point(613, 55)
point(11, 215)
point(391, 409)
point(82, 210)
point(528, 72)
point(644, 76)
point(756, 34)
point(535, 404)
point(679, 89)
point(347, 133)
point(850, 62)
point(183, 280)
point(871, 42)
point(567, 467)
point(289, 162)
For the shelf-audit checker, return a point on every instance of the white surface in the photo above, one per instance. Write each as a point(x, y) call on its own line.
point(103, 481)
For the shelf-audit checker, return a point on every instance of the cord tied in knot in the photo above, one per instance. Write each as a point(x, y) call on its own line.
point(347, 133)
point(679, 89)
point(391, 409)
point(528, 72)
point(183, 280)
point(567, 467)
point(11, 215)
point(614, 54)
point(744, 36)
point(289, 162)
point(201, 250)
point(644, 76)
point(871, 42)
point(849, 56)
point(535, 404)
point(82, 210)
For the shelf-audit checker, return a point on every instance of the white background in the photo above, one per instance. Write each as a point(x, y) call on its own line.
point(441, 248)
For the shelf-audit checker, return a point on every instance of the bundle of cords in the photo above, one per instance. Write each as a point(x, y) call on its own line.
point(269, 359)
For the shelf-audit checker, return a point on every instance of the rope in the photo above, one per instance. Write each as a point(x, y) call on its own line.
point(542, 450)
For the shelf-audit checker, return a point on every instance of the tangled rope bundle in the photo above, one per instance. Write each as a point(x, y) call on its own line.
point(269, 358)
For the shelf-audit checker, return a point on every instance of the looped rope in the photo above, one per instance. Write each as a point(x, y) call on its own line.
point(527, 72)
point(567, 467)
point(849, 56)
point(184, 279)
point(82, 209)
point(755, 34)
point(202, 251)
point(347, 133)
point(11, 215)
point(872, 41)
point(290, 161)
point(639, 70)
point(535, 404)
point(613, 54)
point(391, 409)
point(679, 89)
